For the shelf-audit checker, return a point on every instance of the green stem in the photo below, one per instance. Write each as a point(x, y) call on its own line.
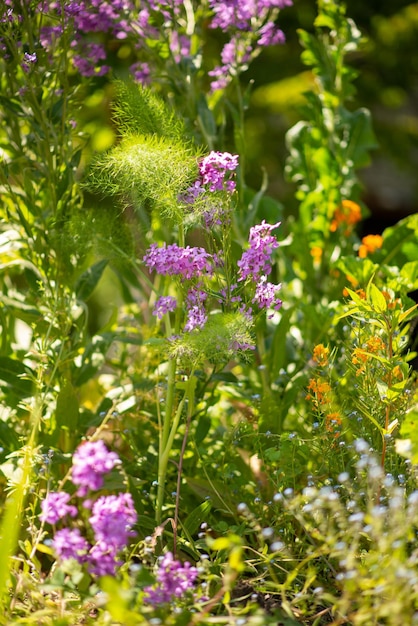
point(190, 391)
point(169, 426)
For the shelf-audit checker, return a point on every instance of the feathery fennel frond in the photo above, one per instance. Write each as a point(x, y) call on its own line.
point(139, 111)
point(150, 170)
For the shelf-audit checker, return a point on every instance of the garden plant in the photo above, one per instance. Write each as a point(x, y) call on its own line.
point(209, 412)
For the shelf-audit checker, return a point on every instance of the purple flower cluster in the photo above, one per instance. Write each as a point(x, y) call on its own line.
point(81, 19)
point(256, 261)
point(174, 579)
point(56, 507)
point(252, 26)
point(214, 170)
point(111, 520)
point(164, 304)
point(173, 260)
point(91, 461)
point(196, 314)
point(255, 264)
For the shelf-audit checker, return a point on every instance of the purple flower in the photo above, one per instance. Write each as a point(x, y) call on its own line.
point(174, 579)
point(28, 60)
point(270, 35)
point(196, 314)
point(164, 305)
point(256, 261)
point(102, 560)
point(91, 461)
point(69, 544)
point(141, 72)
point(55, 507)
point(265, 295)
point(173, 260)
point(214, 170)
point(112, 520)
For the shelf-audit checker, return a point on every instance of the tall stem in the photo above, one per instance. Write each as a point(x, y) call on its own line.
point(168, 428)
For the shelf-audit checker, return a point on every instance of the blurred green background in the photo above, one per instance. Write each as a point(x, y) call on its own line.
point(387, 84)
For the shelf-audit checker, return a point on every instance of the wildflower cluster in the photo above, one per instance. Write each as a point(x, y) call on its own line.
point(196, 265)
point(369, 244)
point(320, 395)
point(76, 22)
point(110, 520)
point(174, 580)
point(366, 537)
point(251, 26)
point(346, 215)
point(255, 264)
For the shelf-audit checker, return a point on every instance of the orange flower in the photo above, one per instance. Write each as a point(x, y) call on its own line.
point(320, 354)
point(397, 372)
point(392, 303)
point(319, 388)
point(332, 422)
point(369, 243)
point(360, 356)
point(316, 253)
point(348, 214)
point(360, 292)
point(374, 344)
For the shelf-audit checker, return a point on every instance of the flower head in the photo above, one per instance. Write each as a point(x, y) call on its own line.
point(91, 461)
point(69, 544)
point(55, 507)
point(214, 170)
point(348, 214)
point(164, 305)
point(369, 244)
point(256, 261)
point(174, 579)
point(320, 354)
point(112, 520)
point(172, 260)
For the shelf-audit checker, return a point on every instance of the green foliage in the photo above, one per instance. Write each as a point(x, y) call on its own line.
point(151, 171)
point(286, 473)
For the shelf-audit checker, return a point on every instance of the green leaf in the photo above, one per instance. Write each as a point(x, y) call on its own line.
point(88, 281)
point(197, 517)
point(67, 408)
point(376, 298)
point(409, 430)
point(14, 378)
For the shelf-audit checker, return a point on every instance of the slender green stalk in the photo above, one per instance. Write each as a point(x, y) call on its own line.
point(14, 507)
point(169, 427)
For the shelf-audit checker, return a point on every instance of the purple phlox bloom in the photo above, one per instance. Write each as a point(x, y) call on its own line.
point(55, 506)
point(214, 170)
point(70, 544)
point(164, 305)
point(256, 261)
point(196, 314)
point(265, 294)
point(189, 262)
point(30, 57)
point(87, 61)
point(91, 461)
point(240, 14)
point(141, 72)
point(174, 579)
point(235, 56)
point(102, 560)
point(28, 60)
point(192, 193)
point(112, 520)
point(270, 35)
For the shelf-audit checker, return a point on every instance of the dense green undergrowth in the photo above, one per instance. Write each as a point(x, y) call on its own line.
point(208, 409)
